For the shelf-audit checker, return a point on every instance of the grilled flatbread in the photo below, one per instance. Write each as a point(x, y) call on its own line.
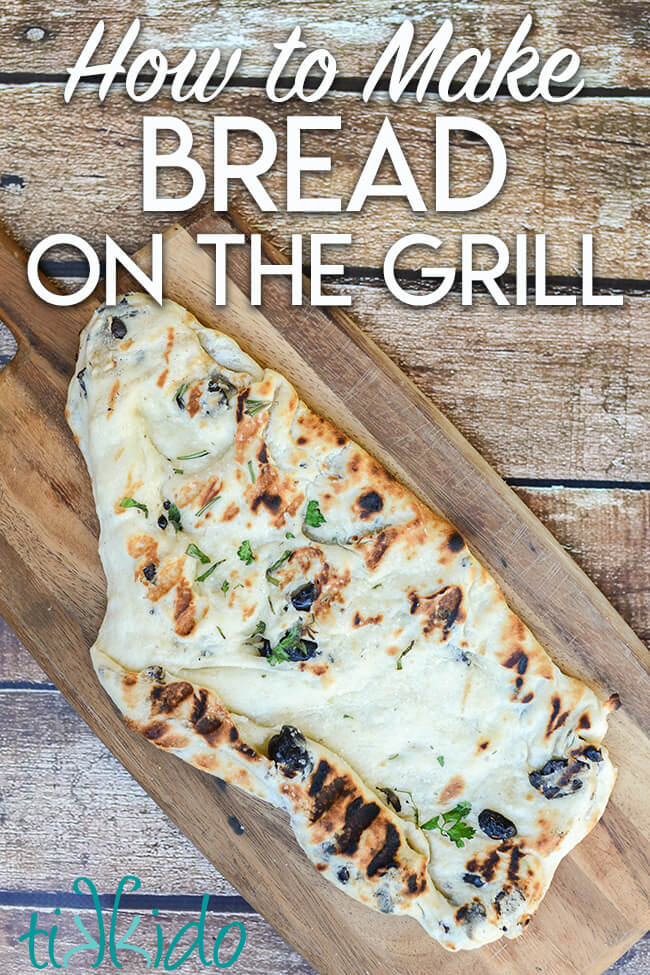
point(286, 615)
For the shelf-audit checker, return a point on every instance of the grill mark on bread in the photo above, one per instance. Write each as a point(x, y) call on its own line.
point(384, 858)
point(167, 697)
point(556, 719)
point(184, 617)
point(441, 609)
point(359, 815)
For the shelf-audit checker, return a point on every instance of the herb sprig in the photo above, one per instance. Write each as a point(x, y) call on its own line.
point(451, 824)
point(403, 654)
point(245, 552)
point(132, 503)
point(276, 565)
point(195, 552)
point(253, 406)
point(314, 516)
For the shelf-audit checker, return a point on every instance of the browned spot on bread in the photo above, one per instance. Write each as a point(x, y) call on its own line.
point(155, 731)
point(184, 617)
point(359, 621)
point(384, 858)
point(441, 609)
point(193, 404)
point(301, 441)
point(317, 428)
point(167, 697)
point(584, 721)
point(513, 866)
point(162, 378)
point(263, 454)
point(129, 491)
point(483, 746)
point(613, 703)
point(208, 762)
point(486, 868)
point(167, 577)
point(210, 492)
point(129, 680)
point(170, 343)
point(369, 504)
point(527, 698)
point(455, 543)
point(144, 548)
point(278, 496)
point(358, 817)
point(556, 719)
point(112, 395)
point(231, 512)
point(453, 789)
point(190, 493)
point(321, 867)
point(518, 660)
point(374, 553)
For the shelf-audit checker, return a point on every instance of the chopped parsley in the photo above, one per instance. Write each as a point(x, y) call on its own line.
point(292, 641)
point(199, 453)
point(251, 471)
point(403, 654)
point(132, 503)
point(221, 631)
point(209, 571)
point(178, 396)
point(174, 516)
point(207, 505)
point(347, 715)
point(271, 605)
point(378, 585)
point(253, 406)
point(177, 470)
point(289, 535)
point(196, 553)
point(416, 814)
point(225, 586)
point(313, 516)
point(451, 824)
point(391, 757)
point(245, 552)
point(441, 760)
point(276, 565)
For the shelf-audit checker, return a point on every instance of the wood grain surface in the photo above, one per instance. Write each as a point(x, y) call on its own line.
point(43, 362)
point(579, 167)
point(613, 38)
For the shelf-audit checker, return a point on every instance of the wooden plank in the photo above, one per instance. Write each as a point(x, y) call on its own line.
point(580, 167)
point(541, 392)
point(604, 530)
point(612, 40)
point(264, 951)
point(51, 593)
point(56, 771)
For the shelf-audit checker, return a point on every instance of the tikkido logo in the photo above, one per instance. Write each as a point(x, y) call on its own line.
point(108, 945)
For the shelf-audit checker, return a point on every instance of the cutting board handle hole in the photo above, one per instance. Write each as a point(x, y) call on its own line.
point(8, 345)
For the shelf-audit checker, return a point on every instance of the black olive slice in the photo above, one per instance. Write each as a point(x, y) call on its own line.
point(118, 328)
point(496, 826)
point(303, 597)
point(287, 749)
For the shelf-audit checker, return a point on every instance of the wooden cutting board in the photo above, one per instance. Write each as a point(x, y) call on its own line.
point(52, 594)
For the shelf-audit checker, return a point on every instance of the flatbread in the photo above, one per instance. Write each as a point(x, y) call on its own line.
point(286, 615)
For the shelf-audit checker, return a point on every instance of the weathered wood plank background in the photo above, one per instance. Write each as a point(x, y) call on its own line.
point(587, 159)
point(612, 35)
point(550, 396)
